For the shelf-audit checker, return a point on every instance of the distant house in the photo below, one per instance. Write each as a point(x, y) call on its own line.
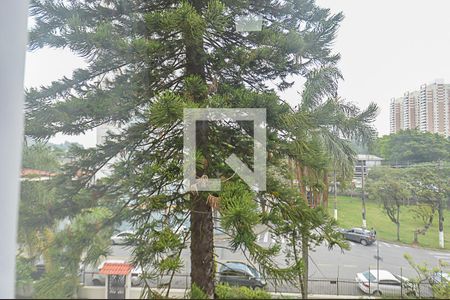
point(35, 175)
point(364, 162)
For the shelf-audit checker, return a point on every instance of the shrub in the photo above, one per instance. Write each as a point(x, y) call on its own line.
point(228, 292)
point(197, 293)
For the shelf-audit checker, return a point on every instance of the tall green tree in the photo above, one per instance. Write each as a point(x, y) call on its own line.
point(431, 186)
point(36, 198)
point(35, 220)
point(390, 188)
point(56, 232)
point(146, 61)
point(318, 135)
point(411, 147)
point(323, 127)
point(302, 228)
point(42, 157)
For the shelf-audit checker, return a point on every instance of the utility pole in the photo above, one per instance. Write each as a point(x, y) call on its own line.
point(13, 36)
point(335, 195)
point(363, 195)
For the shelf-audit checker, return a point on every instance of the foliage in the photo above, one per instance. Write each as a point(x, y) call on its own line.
point(229, 292)
point(83, 241)
point(430, 182)
point(56, 284)
point(146, 61)
point(35, 216)
point(424, 185)
point(40, 156)
point(24, 271)
point(317, 139)
point(390, 188)
point(47, 231)
point(431, 187)
point(197, 293)
point(412, 146)
point(425, 274)
point(303, 228)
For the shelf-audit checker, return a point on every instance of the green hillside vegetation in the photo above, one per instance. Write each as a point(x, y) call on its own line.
point(349, 215)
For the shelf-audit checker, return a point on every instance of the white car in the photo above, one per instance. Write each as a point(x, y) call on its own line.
point(387, 284)
point(122, 238)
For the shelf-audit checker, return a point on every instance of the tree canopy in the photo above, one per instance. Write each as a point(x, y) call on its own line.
point(149, 60)
point(412, 146)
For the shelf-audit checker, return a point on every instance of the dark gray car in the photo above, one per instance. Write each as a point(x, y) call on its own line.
point(240, 274)
point(359, 235)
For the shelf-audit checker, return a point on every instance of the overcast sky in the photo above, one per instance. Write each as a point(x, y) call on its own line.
point(387, 47)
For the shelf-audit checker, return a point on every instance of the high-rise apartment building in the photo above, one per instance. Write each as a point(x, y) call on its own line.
point(396, 114)
point(427, 109)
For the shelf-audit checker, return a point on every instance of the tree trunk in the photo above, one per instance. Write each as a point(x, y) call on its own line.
point(398, 223)
point(202, 246)
point(316, 198)
point(304, 173)
point(305, 258)
point(416, 238)
point(363, 196)
point(292, 169)
point(441, 224)
point(325, 189)
point(398, 232)
point(300, 174)
point(425, 228)
point(335, 195)
point(202, 225)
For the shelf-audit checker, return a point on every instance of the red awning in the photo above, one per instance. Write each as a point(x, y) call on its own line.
point(116, 269)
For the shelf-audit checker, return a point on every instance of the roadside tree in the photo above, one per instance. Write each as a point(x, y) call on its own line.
point(431, 188)
point(390, 188)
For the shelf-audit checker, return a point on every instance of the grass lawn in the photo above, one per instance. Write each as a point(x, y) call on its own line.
point(349, 215)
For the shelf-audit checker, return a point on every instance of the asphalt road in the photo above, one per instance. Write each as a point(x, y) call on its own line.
point(326, 264)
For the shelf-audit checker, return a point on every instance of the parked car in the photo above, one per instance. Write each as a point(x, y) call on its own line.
point(122, 238)
point(359, 235)
point(387, 284)
point(240, 274)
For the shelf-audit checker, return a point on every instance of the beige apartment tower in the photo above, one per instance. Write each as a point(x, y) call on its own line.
point(427, 109)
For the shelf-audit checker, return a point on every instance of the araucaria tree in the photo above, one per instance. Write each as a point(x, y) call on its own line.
point(146, 61)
